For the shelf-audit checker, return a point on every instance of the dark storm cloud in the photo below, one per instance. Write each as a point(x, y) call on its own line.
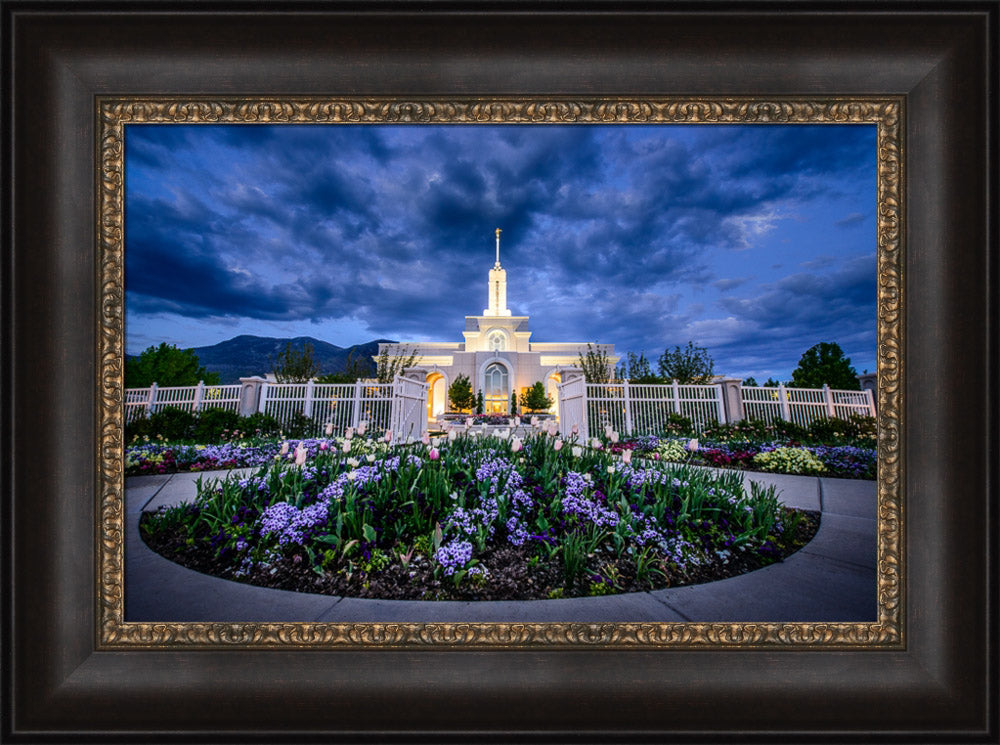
point(393, 227)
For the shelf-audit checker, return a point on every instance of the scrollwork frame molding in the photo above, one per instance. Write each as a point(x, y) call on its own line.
point(114, 114)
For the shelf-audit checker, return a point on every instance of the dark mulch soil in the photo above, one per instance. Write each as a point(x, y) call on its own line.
point(512, 575)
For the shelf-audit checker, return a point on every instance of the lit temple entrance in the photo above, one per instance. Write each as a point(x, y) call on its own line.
point(437, 395)
point(496, 389)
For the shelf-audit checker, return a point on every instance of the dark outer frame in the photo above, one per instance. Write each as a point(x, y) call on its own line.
point(58, 57)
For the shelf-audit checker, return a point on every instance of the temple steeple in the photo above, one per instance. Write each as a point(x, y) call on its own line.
point(498, 287)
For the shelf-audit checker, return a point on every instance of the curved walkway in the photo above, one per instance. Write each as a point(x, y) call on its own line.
point(832, 579)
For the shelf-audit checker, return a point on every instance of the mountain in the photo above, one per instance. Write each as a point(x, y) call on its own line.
point(243, 356)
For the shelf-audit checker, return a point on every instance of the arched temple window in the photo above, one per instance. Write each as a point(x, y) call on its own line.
point(496, 389)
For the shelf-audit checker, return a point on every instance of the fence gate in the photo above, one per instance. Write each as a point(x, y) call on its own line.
point(409, 409)
point(573, 407)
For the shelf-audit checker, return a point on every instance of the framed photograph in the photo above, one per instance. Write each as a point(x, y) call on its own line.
point(131, 184)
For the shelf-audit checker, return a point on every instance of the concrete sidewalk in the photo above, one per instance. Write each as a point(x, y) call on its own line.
point(832, 579)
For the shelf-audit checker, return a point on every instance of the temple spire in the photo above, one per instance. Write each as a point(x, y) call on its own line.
point(497, 299)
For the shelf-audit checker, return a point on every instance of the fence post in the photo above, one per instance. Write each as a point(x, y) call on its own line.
point(262, 407)
point(677, 397)
point(307, 405)
point(356, 409)
point(152, 399)
point(720, 403)
point(828, 400)
point(199, 395)
point(783, 402)
point(628, 408)
point(871, 402)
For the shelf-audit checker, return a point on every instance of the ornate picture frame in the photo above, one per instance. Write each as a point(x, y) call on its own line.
point(885, 113)
point(72, 669)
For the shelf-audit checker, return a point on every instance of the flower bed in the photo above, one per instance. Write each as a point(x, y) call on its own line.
point(475, 517)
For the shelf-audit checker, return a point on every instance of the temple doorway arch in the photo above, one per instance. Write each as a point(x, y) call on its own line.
point(437, 394)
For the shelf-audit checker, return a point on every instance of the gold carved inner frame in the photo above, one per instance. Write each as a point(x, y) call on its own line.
point(114, 114)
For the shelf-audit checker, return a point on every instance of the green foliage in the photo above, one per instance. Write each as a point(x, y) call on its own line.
point(596, 365)
point(213, 425)
point(480, 402)
point(169, 423)
point(356, 368)
point(751, 382)
point(771, 383)
point(299, 425)
point(534, 399)
point(460, 393)
point(677, 424)
point(260, 424)
point(856, 429)
point(825, 364)
point(755, 431)
point(513, 404)
point(392, 360)
point(166, 365)
point(688, 365)
point(295, 365)
point(789, 460)
point(636, 370)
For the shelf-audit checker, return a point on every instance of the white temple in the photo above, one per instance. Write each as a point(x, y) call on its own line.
point(497, 355)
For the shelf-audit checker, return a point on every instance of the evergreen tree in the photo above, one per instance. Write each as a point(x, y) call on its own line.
point(460, 393)
point(688, 365)
point(825, 364)
point(480, 402)
point(513, 404)
point(534, 398)
point(166, 365)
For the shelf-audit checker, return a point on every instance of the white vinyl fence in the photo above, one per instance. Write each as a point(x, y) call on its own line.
point(140, 402)
point(804, 405)
point(400, 405)
point(646, 409)
point(637, 409)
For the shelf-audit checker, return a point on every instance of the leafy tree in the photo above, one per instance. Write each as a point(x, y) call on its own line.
point(356, 368)
point(460, 393)
point(534, 398)
point(771, 383)
point(166, 365)
point(391, 363)
point(295, 365)
point(752, 382)
point(636, 369)
point(596, 366)
point(480, 402)
point(825, 364)
point(688, 365)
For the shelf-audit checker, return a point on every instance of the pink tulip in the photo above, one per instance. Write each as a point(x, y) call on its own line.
point(284, 449)
point(534, 421)
point(515, 445)
point(557, 445)
point(329, 429)
point(362, 428)
point(614, 437)
point(349, 433)
point(346, 447)
point(426, 439)
point(468, 421)
point(434, 454)
point(576, 429)
point(626, 456)
point(388, 436)
point(693, 445)
point(300, 455)
point(323, 446)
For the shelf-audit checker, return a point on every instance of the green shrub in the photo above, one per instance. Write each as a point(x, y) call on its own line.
point(789, 460)
point(672, 450)
point(855, 429)
point(299, 426)
point(263, 424)
point(212, 423)
point(170, 423)
point(677, 424)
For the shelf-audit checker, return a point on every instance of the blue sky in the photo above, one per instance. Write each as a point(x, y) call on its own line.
point(753, 241)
